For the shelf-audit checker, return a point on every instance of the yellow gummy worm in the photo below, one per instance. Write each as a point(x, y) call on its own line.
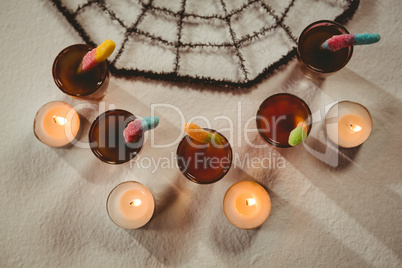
point(104, 50)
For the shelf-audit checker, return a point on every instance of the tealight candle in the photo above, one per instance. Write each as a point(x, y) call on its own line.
point(130, 205)
point(348, 124)
point(246, 205)
point(56, 124)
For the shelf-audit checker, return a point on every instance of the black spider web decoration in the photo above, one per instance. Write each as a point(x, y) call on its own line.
point(232, 61)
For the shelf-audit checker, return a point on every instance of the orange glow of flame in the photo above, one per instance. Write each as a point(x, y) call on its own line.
point(59, 120)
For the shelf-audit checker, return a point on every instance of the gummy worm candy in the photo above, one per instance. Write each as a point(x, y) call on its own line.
point(97, 55)
point(135, 128)
point(298, 134)
point(201, 135)
point(337, 42)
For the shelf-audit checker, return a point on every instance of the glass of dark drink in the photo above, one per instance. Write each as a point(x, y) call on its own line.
point(89, 85)
point(204, 163)
point(318, 63)
point(107, 140)
point(278, 115)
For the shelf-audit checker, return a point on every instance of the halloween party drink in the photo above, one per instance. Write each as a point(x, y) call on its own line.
point(325, 47)
point(116, 136)
point(81, 70)
point(284, 120)
point(204, 155)
point(316, 62)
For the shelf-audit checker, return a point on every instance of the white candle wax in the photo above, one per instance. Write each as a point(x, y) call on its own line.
point(130, 205)
point(247, 205)
point(348, 124)
point(56, 124)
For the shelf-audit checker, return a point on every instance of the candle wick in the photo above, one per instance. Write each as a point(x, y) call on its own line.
point(355, 128)
point(59, 120)
point(250, 202)
point(135, 202)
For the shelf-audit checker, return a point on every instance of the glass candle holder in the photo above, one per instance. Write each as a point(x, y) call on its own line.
point(56, 124)
point(204, 163)
point(278, 115)
point(316, 62)
point(348, 124)
point(130, 205)
point(89, 85)
point(247, 205)
point(107, 140)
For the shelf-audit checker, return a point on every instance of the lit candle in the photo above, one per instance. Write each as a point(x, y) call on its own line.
point(56, 124)
point(130, 205)
point(348, 124)
point(247, 205)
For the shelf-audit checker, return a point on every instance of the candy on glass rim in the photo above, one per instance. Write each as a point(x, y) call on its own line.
point(298, 135)
point(197, 133)
point(337, 42)
point(97, 55)
point(135, 128)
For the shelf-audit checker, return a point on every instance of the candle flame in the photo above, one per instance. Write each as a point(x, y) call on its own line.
point(250, 202)
point(135, 202)
point(355, 128)
point(59, 120)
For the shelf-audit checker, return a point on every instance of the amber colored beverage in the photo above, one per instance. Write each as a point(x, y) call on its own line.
point(107, 140)
point(278, 115)
point(204, 163)
point(87, 85)
point(315, 61)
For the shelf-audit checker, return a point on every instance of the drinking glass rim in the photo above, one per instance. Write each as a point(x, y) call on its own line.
point(105, 72)
point(192, 178)
point(94, 151)
point(332, 23)
point(309, 126)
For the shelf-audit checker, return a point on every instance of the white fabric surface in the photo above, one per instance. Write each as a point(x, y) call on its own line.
point(53, 200)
